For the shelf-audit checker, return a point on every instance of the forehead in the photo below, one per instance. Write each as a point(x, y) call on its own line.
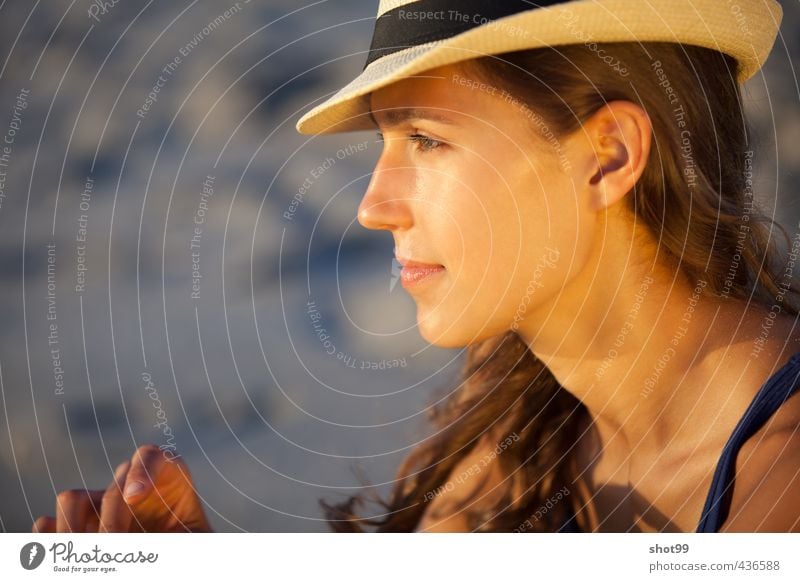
point(440, 94)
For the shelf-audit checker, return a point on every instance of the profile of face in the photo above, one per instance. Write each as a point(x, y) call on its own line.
point(467, 180)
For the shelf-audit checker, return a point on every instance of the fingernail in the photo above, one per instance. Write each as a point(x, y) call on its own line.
point(133, 488)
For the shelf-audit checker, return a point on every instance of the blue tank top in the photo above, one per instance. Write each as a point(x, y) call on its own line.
point(772, 394)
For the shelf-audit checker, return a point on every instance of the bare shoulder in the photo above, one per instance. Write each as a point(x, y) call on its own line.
point(765, 494)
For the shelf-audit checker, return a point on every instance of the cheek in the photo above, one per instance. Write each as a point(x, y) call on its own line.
point(458, 222)
point(503, 240)
point(530, 242)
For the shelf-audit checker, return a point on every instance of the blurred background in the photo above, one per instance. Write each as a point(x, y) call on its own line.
point(179, 266)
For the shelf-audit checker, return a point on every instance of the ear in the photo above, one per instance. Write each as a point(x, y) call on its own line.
point(618, 138)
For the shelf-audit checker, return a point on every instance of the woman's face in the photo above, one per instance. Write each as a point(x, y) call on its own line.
point(480, 192)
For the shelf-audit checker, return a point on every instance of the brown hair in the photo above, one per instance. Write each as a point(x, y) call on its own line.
point(695, 201)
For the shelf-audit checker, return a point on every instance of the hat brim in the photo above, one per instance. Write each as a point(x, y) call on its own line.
point(747, 34)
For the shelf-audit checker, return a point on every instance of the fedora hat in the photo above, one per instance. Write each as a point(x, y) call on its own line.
point(411, 36)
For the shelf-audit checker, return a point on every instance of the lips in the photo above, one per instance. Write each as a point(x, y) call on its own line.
point(417, 264)
point(416, 272)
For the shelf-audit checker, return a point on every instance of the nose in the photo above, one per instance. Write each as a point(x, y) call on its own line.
point(386, 203)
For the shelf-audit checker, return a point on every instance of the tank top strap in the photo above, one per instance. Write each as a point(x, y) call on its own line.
point(775, 391)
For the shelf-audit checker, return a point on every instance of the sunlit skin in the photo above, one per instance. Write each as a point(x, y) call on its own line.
point(490, 200)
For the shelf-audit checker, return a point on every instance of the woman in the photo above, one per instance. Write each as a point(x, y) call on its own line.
point(568, 190)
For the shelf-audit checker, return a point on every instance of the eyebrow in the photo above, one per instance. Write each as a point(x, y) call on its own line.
point(395, 117)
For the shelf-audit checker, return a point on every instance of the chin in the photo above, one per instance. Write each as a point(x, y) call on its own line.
point(444, 341)
point(449, 334)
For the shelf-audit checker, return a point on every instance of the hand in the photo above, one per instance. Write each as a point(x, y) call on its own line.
point(150, 493)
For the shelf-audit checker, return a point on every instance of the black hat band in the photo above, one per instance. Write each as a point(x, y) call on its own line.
point(428, 20)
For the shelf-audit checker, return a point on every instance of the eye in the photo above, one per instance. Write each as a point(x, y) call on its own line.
point(424, 143)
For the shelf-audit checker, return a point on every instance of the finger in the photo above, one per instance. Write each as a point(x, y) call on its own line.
point(114, 513)
point(93, 515)
point(73, 508)
point(150, 466)
point(44, 524)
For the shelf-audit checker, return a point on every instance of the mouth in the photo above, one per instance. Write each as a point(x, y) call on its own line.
point(415, 273)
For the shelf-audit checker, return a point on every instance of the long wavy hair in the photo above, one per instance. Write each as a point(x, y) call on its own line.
point(707, 226)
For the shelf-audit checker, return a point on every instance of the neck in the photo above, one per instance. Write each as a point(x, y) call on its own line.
point(640, 347)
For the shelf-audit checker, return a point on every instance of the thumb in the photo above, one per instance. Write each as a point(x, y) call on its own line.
point(146, 469)
point(134, 492)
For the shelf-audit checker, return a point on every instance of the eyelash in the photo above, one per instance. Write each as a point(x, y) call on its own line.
point(424, 143)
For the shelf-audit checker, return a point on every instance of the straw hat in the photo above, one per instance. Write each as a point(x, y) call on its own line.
point(412, 36)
